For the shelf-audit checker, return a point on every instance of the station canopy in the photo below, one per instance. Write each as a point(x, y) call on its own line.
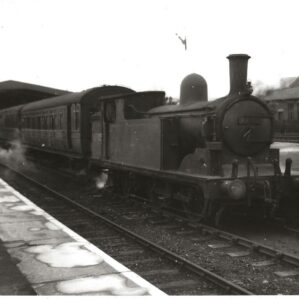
point(13, 93)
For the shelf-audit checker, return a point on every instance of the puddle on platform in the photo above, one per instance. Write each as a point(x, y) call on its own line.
point(66, 255)
point(22, 208)
point(52, 226)
point(112, 284)
point(37, 213)
point(9, 198)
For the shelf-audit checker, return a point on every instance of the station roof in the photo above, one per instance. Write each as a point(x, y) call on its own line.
point(13, 93)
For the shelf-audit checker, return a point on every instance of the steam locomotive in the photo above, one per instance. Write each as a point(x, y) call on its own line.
point(202, 157)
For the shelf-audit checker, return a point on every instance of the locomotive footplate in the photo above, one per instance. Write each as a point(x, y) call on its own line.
point(265, 197)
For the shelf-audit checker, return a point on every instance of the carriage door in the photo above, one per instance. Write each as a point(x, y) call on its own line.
point(69, 127)
point(96, 136)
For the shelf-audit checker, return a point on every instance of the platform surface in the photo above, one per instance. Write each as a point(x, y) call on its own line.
point(57, 261)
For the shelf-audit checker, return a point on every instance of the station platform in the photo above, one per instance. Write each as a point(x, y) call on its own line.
point(39, 255)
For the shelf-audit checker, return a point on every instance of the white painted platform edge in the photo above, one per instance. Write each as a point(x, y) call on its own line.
point(108, 259)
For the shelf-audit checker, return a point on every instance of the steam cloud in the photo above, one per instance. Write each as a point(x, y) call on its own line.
point(101, 180)
point(15, 154)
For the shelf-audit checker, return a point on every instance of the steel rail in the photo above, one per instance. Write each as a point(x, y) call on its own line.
point(252, 245)
point(184, 263)
point(235, 239)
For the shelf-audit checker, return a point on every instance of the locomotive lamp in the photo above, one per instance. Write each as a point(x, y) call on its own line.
point(235, 189)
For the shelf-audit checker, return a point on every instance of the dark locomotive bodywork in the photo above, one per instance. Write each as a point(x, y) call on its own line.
point(203, 156)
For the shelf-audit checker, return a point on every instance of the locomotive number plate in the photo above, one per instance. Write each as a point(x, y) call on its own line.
point(249, 120)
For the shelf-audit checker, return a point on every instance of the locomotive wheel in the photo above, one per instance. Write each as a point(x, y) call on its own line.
point(121, 182)
point(217, 213)
point(195, 207)
point(159, 193)
point(191, 201)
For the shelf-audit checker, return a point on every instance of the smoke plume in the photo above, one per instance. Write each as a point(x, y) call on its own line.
point(14, 154)
point(101, 180)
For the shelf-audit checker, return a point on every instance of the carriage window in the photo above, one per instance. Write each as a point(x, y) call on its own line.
point(73, 116)
point(60, 120)
point(77, 117)
point(54, 121)
point(38, 122)
point(49, 122)
point(57, 121)
point(110, 112)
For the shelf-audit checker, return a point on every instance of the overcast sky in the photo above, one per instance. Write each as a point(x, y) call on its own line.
point(75, 45)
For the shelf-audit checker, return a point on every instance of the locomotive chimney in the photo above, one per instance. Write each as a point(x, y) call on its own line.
point(238, 72)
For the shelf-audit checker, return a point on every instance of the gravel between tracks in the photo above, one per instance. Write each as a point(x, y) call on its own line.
point(260, 280)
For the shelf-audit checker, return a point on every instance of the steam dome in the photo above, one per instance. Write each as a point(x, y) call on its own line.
point(194, 88)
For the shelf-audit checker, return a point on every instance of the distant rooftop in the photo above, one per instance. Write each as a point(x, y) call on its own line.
point(290, 90)
point(283, 94)
point(14, 93)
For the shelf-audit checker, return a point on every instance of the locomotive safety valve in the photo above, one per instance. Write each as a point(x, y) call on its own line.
point(235, 189)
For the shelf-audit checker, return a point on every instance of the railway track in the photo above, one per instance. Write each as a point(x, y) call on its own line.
point(254, 268)
point(168, 271)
